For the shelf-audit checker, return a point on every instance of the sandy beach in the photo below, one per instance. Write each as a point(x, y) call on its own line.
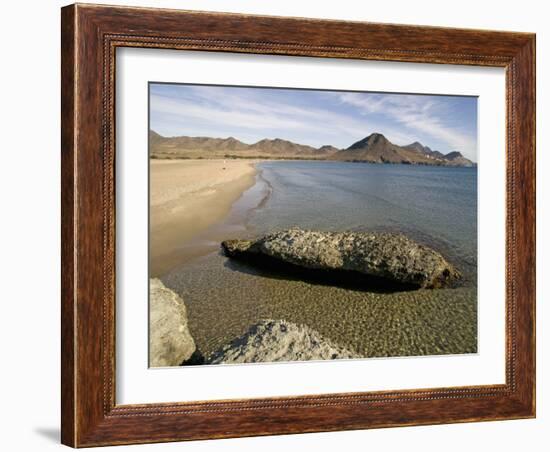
point(280, 230)
point(188, 196)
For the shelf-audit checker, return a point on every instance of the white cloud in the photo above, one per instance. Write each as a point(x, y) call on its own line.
point(253, 114)
point(423, 114)
point(225, 110)
point(217, 115)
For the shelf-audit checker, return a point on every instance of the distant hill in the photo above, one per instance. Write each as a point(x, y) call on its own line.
point(419, 147)
point(179, 144)
point(205, 147)
point(282, 147)
point(155, 139)
point(457, 159)
point(375, 148)
point(328, 149)
point(452, 158)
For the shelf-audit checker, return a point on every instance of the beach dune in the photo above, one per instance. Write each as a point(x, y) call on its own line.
point(187, 196)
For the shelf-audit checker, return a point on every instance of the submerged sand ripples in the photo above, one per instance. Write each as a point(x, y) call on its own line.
point(223, 300)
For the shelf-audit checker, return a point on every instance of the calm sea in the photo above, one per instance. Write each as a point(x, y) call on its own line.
point(434, 205)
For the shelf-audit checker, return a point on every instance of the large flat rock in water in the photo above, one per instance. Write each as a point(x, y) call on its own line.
point(170, 342)
point(279, 340)
point(393, 257)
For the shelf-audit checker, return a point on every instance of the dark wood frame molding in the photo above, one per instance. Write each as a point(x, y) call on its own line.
point(90, 35)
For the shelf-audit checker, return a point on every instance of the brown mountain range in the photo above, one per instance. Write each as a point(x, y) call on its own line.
point(375, 148)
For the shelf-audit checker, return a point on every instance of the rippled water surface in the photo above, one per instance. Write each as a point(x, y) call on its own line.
point(433, 205)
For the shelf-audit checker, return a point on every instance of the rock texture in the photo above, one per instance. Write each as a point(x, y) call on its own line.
point(393, 257)
point(278, 340)
point(170, 343)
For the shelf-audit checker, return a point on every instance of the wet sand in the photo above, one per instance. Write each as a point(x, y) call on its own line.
point(187, 197)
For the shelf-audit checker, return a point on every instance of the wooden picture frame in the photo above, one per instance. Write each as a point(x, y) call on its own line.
point(90, 36)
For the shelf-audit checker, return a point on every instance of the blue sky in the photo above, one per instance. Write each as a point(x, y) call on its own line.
point(339, 118)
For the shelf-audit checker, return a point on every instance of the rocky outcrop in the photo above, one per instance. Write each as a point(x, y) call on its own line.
point(278, 340)
point(170, 342)
point(393, 257)
point(457, 159)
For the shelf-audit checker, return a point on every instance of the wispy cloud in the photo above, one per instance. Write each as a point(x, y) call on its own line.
point(224, 108)
point(312, 117)
point(429, 115)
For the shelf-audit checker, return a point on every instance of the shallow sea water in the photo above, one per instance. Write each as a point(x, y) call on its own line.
point(436, 206)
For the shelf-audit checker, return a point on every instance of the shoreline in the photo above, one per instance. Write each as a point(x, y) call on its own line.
point(187, 198)
point(258, 158)
point(225, 297)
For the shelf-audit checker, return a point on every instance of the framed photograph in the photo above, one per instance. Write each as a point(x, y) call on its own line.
point(281, 225)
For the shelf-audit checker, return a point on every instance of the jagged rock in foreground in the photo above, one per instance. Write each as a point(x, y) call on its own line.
point(170, 343)
point(393, 257)
point(278, 340)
